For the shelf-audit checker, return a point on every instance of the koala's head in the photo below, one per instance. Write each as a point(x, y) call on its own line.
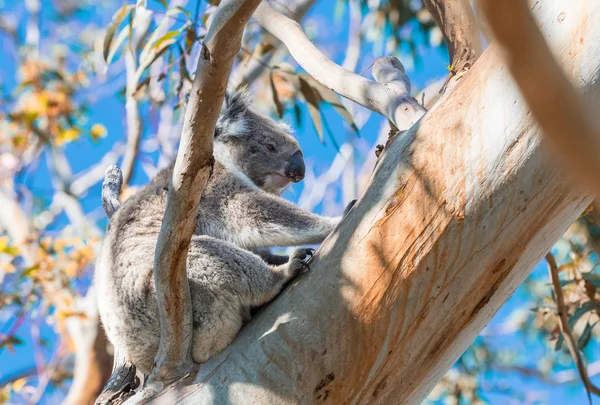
point(256, 146)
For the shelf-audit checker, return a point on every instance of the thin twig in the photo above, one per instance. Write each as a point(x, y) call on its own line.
point(563, 322)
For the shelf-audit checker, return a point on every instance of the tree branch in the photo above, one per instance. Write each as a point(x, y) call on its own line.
point(191, 172)
point(563, 322)
point(560, 111)
point(458, 212)
point(390, 96)
point(132, 110)
point(459, 27)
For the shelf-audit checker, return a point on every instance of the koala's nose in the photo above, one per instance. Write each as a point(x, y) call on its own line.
point(295, 169)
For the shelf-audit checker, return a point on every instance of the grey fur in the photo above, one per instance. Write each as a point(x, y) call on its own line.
point(239, 211)
point(111, 188)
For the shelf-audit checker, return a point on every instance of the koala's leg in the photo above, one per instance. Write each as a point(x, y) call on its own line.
point(224, 281)
point(221, 269)
point(111, 188)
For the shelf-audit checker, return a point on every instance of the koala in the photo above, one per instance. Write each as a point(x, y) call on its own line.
point(240, 210)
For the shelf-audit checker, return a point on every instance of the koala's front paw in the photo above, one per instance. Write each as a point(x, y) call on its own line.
point(113, 175)
point(303, 253)
point(299, 261)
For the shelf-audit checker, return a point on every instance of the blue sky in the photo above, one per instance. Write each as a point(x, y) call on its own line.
point(109, 111)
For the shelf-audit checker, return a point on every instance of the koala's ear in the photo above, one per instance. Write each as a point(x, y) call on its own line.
point(236, 103)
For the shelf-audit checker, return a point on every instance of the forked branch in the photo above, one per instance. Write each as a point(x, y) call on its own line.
point(389, 96)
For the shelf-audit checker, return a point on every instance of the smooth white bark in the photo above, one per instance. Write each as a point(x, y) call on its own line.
point(387, 96)
point(458, 212)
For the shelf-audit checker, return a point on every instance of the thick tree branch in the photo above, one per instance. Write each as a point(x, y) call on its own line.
point(558, 108)
point(390, 96)
point(563, 322)
point(457, 213)
point(192, 170)
point(459, 27)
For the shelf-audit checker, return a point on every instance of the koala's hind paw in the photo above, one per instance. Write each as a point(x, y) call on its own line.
point(299, 261)
point(302, 253)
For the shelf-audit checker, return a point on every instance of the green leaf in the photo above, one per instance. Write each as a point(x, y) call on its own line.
point(117, 44)
point(559, 342)
point(117, 19)
point(579, 312)
point(152, 56)
point(165, 3)
point(566, 282)
point(10, 342)
point(130, 28)
point(298, 114)
point(29, 271)
point(190, 38)
point(592, 278)
point(313, 106)
point(276, 100)
point(169, 35)
point(330, 97)
point(183, 71)
point(586, 335)
point(156, 46)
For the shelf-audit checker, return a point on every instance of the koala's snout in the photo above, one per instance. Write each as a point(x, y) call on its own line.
point(295, 169)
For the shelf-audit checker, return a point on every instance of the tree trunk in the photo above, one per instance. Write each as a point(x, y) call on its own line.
point(457, 213)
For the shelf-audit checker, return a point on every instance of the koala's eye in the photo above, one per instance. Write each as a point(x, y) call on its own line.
point(271, 147)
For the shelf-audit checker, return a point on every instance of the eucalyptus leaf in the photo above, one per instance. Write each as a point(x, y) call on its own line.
point(313, 106)
point(117, 19)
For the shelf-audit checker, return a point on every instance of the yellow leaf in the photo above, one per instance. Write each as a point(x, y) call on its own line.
point(4, 395)
point(19, 384)
point(18, 141)
point(67, 135)
point(3, 242)
point(98, 131)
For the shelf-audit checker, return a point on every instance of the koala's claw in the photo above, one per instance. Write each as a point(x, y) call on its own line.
point(302, 253)
point(299, 260)
point(349, 207)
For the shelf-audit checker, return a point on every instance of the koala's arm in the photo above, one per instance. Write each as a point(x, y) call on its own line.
point(258, 219)
point(111, 188)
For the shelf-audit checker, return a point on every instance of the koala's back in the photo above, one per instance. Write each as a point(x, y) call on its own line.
point(125, 282)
